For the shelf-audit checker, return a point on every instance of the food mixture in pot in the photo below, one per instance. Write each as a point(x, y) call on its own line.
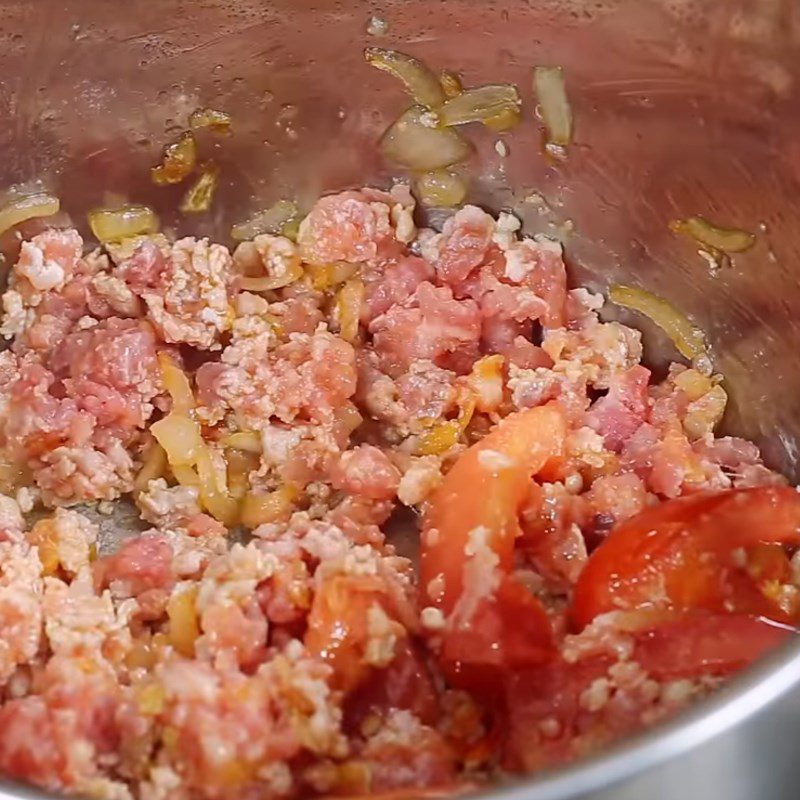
point(293, 420)
point(592, 557)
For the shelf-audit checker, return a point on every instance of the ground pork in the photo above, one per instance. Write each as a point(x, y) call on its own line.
point(185, 292)
point(197, 660)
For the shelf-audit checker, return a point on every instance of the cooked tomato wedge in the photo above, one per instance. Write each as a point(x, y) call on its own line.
point(668, 645)
point(701, 643)
point(337, 625)
point(507, 627)
point(469, 532)
point(540, 697)
point(692, 553)
point(406, 683)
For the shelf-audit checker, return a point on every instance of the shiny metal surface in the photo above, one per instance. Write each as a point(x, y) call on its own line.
point(682, 107)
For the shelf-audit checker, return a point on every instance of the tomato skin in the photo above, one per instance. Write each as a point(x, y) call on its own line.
point(680, 554)
point(472, 584)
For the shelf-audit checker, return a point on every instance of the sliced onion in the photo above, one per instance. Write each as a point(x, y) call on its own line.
point(177, 162)
point(219, 121)
point(260, 509)
point(325, 276)
point(687, 337)
point(412, 143)
point(125, 248)
point(21, 209)
point(419, 81)
point(276, 323)
point(200, 195)
point(272, 220)
point(444, 435)
point(180, 437)
point(291, 229)
point(693, 384)
point(441, 188)
point(466, 408)
point(451, 83)
point(480, 104)
point(504, 121)
point(153, 467)
point(186, 476)
point(214, 491)
point(271, 282)
point(438, 439)
point(150, 697)
point(44, 535)
point(177, 384)
point(703, 415)
point(551, 90)
point(240, 464)
point(116, 224)
point(183, 627)
point(728, 240)
point(249, 441)
point(348, 308)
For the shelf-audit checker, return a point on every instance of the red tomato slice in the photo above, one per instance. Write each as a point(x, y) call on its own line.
point(475, 494)
point(509, 627)
point(405, 684)
point(678, 645)
point(680, 554)
point(699, 643)
point(769, 562)
point(469, 532)
point(546, 694)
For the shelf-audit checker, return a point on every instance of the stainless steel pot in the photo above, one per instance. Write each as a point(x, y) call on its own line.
point(682, 106)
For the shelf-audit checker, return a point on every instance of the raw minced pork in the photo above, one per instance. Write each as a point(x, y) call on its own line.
point(304, 661)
